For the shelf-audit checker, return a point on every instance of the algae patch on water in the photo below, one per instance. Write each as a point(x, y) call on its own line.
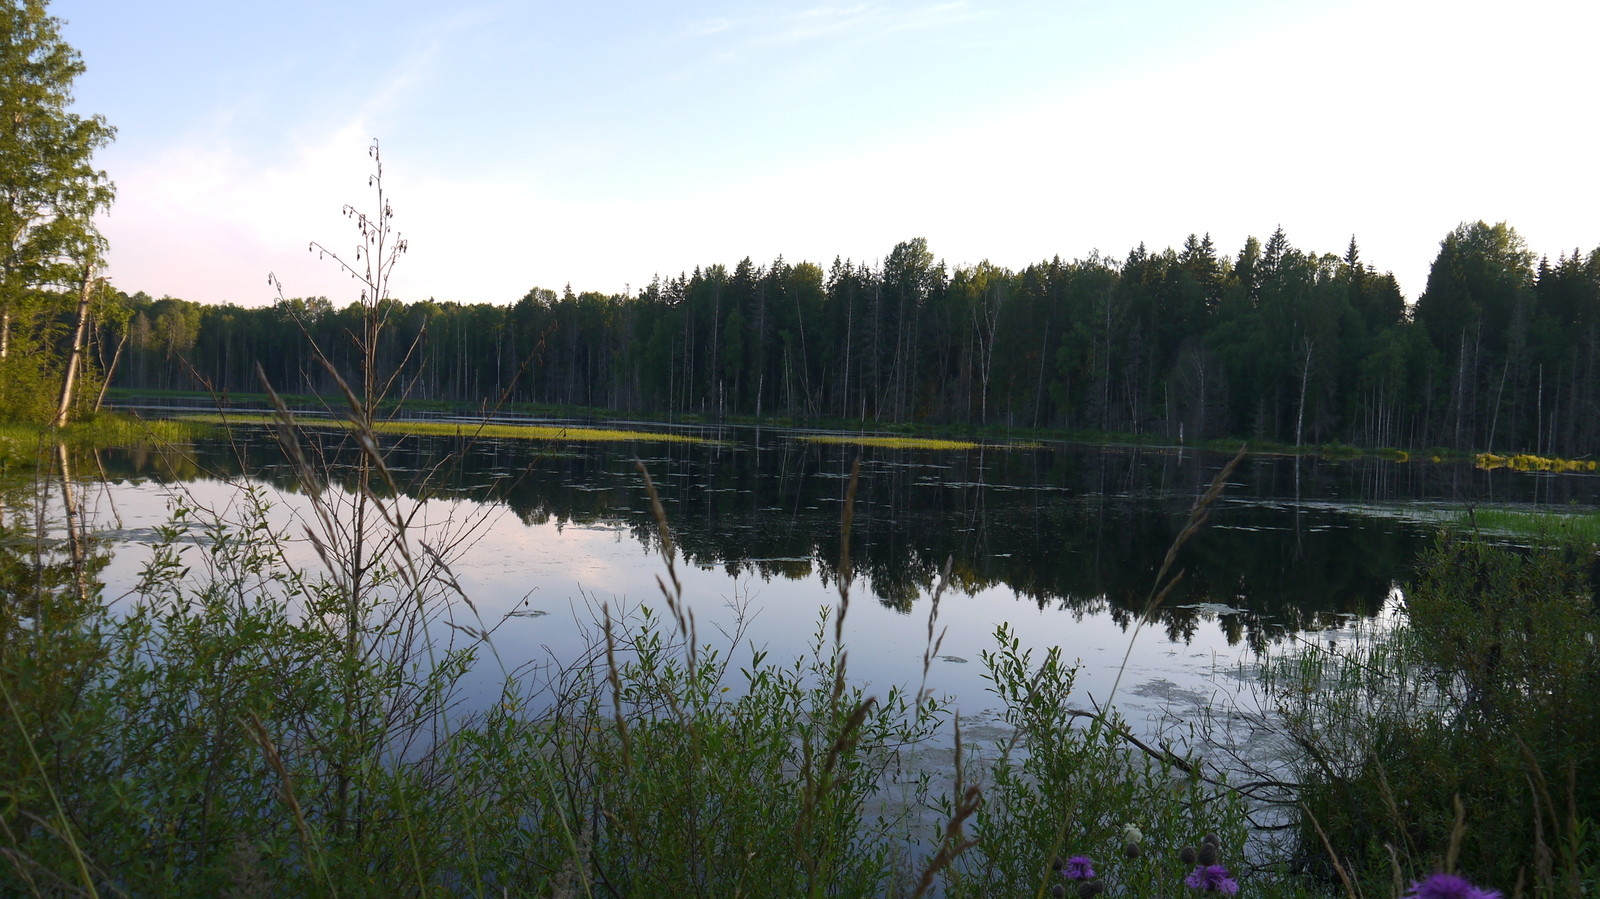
point(466, 429)
point(927, 443)
point(1530, 462)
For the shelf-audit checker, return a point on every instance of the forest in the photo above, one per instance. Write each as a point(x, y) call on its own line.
point(1274, 343)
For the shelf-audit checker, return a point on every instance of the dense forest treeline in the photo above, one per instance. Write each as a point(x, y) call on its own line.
point(1273, 342)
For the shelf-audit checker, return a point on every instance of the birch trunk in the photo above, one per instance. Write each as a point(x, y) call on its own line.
point(74, 359)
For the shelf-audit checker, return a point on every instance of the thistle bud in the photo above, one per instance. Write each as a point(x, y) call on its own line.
point(1131, 850)
point(1187, 855)
point(1056, 863)
point(1058, 891)
point(1212, 838)
point(1090, 889)
point(1208, 853)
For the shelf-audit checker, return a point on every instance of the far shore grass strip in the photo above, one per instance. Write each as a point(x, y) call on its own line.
point(466, 429)
point(926, 443)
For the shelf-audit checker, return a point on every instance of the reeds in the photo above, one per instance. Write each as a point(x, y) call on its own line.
point(1424, 744)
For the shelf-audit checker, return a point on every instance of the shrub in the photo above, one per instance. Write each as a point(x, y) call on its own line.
point(1489, 691)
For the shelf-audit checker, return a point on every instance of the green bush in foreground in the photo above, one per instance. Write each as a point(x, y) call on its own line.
point(216, 735)
point(1488, 692)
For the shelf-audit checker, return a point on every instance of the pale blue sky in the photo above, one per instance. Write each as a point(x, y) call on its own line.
point(546, 143)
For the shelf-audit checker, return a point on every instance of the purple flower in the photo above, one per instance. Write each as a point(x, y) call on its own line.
point(1448, 886)
point(1216, 878)
point(1079, 867)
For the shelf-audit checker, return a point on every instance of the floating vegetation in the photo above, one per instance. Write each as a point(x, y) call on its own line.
point(928, 443)
point(1530, 462)
point(21, 444)
point(1580, 524)
point(472, 429)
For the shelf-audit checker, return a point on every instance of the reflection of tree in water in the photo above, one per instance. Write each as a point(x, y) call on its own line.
point(50, 561)
point(1080, 529)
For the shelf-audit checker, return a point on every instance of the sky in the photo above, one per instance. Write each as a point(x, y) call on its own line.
point(600, 144)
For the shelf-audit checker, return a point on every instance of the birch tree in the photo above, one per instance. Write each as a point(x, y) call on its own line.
point(50, 192)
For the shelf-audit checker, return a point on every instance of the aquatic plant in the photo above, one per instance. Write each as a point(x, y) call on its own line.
point(1530, 462)
point(888, 442)
point(473, 429)
point(1484, 697)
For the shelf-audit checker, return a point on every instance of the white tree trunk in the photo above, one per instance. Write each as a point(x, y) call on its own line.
point(75, 357)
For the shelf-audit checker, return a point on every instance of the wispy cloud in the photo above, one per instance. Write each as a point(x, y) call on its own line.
point(860, 21)
point(706, 28)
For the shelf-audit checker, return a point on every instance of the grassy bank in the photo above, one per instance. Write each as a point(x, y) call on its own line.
point(22, 444)
point(1578, 524)
point(965, 435)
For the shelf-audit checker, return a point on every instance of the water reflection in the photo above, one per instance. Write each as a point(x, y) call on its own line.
point(1294, 543)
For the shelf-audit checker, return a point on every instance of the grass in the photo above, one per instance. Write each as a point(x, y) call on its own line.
point(1466, 730)
point(451, 429)
point(21, 443)
point(106, 430)
point(1580, 524)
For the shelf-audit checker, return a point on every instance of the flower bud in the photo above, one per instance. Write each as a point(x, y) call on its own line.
point(1090, 889)
point(1211, 838)
point(1187, 855)
point(1208, 853)
point(1058, 891)
point(1130, 849)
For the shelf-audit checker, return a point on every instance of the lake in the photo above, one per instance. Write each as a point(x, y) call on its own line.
point(1061, 541)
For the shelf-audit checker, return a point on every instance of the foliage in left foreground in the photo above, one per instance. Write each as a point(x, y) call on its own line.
point(199, 742)
point(212, 734)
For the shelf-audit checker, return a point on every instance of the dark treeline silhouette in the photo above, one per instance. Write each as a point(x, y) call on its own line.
point(1273, 343)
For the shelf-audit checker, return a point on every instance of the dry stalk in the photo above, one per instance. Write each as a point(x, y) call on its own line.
point(844, 551)
point(616, 691)
point(931, 650)
point(61, 814)
point(1198, 514)
point(1458, 830)
point(954, 842)
point(818, 787)
point(258, 734)
point(1349, 887)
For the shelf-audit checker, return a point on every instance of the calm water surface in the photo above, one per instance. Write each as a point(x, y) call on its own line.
point(1060, 542)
